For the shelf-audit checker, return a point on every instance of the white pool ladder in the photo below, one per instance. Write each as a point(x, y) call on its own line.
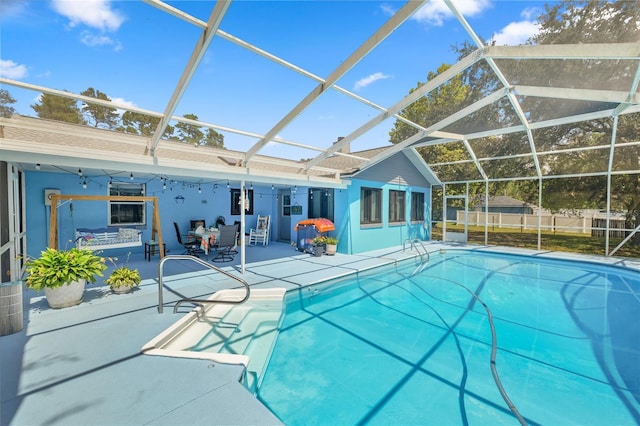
point(422, 251)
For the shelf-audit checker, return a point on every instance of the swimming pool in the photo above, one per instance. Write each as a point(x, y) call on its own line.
point(390, 348)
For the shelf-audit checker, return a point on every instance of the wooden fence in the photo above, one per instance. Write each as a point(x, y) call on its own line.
point(596, 226)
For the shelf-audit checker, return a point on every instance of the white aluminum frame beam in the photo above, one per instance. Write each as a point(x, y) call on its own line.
point(383, 32)
point(198, 53)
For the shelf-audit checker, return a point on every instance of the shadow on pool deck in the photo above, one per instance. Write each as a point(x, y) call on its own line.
point(82, 365)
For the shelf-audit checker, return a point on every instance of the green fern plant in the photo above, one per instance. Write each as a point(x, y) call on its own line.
point(123, 276)
point(55, 268)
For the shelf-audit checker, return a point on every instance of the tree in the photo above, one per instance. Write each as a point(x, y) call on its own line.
point(141, 124)
point(98, 115)
point(6, 100)
point(563, 23)
point(595, 22)
point(192, 134)
point(58, 108)
point(189, 133)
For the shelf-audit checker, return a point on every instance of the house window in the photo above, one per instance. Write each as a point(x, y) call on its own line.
point(127, 212)
point(370, 206)
point(320, 203)
point(397, 207)
point(235, 202)
point(417, 207)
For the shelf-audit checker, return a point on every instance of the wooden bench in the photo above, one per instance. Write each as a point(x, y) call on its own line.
point(107, 238)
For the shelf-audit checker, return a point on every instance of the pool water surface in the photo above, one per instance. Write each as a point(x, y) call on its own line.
point(389, 347)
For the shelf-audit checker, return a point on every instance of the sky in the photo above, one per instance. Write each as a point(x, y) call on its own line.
point(136, 54)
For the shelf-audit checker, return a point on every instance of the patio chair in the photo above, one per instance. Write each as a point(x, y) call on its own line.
point(190, 244)
point(220, 221)
point(226, 242)
point(261, 232)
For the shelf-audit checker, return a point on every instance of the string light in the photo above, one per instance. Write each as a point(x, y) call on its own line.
point(131, 176)
point(199, 189)
point(80, 172)
point(38, 166)
point(227, 184)
point(84, 183)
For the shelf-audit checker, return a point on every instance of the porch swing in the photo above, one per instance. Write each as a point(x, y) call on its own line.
point(105, 238)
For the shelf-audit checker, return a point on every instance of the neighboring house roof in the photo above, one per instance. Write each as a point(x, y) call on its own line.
point(30, 140)
point(502, 201)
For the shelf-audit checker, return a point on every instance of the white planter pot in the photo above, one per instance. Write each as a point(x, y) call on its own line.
point(331, 249)
point(65, 295)
point(121, 289)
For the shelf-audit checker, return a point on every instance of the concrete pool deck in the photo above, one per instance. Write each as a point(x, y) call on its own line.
point(82, 365)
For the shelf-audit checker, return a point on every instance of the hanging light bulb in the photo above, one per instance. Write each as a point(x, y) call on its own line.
point(199, 189)
point(38, 166)
point(80, 172)
point(164, 185)
point(272, 187)
point(131, 176)
point(227, 184)
point(110, 183)
point(84, 183)
point(251, 185)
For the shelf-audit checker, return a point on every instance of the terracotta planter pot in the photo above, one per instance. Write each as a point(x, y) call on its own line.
point(66, 295)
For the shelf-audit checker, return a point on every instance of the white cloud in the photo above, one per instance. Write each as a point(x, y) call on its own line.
point(124, 102)
point(516, 33)
point(436, 11)
point(92, 13)
point(519, 32)
point(91, 40)
point(10, 69)
point(364, 82)
point(387, 9)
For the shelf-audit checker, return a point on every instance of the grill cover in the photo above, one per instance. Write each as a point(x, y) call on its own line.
point(321, 224)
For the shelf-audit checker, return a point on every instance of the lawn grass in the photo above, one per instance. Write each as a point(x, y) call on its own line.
point(559, 241)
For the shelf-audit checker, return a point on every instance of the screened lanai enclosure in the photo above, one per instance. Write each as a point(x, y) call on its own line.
point(535, 142)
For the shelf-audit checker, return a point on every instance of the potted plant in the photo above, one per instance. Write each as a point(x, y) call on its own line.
point(318, 244)
point(63, 274)
point(331, 245)
point(123, 279)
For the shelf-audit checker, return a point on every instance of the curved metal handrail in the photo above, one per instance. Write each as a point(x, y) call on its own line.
point(202, 262)
point(413, 246)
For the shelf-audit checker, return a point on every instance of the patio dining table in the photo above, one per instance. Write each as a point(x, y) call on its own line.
point(207, 238)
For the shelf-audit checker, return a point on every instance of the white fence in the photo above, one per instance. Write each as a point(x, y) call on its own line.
point(594, 225)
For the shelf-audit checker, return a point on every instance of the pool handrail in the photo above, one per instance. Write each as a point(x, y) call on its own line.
point(414, 242)
point(185, 300)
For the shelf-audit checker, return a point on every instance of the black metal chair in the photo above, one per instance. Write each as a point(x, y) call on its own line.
point(225, 243)
point(191, 245)
point(220, 221)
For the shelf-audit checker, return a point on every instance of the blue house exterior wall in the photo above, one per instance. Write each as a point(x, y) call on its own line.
point(208, 205)
point(93, 214)
point(356, 239)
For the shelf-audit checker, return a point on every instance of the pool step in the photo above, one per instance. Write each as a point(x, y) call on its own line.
point(249, 329)
point(234, 334)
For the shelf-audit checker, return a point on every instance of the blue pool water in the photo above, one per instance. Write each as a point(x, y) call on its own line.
point(392, 348)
